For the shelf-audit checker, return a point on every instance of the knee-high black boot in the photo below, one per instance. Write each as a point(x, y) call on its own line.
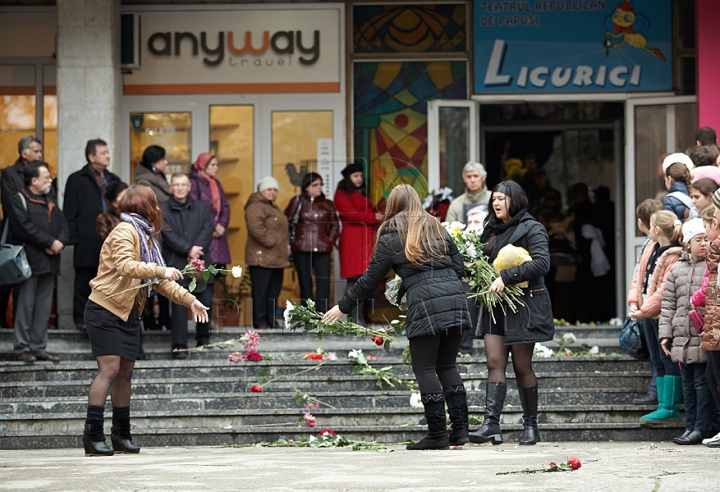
point(120, 432)
point(529, 401)
point(456, 399)
point(494, 401)
point(437, 437)
point(93, 435)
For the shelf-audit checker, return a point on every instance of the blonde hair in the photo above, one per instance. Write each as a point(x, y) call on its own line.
point(708, 214)
point(421, 234)
point(669, 224)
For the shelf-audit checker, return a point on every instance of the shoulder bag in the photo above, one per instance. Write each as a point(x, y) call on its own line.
point(294, 223)
point(14, 266)
point(632, 340)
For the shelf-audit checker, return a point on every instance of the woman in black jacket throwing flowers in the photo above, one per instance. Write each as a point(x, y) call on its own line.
point(422, 253)
point(516, 332)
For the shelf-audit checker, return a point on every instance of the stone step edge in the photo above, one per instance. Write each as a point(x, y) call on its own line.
point(509, 409)
point(349, 429)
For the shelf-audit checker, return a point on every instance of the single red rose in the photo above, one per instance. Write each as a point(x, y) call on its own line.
point(329, 432)
point(254, 356)
point(574, 463)
point(552, 463)
point(311, 356)
point(256, 389)
point(378, 340)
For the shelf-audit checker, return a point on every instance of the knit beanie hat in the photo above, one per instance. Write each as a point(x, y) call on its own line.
point(677, 157)
point(268, 182)
point(716, 198)
point(692, 228)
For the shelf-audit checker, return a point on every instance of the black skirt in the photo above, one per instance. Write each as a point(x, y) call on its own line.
point(110, 335)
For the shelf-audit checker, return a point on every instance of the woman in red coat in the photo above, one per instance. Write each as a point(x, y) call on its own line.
point(359, 222)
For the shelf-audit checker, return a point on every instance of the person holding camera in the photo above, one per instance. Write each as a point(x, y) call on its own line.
point(266, 251)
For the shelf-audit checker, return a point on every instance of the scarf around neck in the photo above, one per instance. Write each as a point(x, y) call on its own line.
point(199, 166)
point(149, 248)
point(494, 236)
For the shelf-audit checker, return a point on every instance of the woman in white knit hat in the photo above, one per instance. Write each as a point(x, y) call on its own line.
point(266, 251)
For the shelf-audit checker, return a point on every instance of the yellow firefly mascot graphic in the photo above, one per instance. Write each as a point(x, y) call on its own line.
point(623, 19)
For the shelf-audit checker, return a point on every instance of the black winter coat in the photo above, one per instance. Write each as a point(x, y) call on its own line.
point(533, 321)
point(435, 296)
point(12, 180)
point(37, 227)
point(83, 203)
point(185, 225)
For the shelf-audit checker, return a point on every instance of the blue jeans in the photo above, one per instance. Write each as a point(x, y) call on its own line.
point(698, 401)
point(664, 366)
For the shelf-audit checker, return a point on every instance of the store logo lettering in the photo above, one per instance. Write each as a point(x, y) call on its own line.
point(282, 43)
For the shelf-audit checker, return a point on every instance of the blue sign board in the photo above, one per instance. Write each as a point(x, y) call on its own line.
point(538, 46)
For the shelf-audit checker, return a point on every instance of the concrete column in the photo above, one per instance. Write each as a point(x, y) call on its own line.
point(89, 86)
point(707, 40)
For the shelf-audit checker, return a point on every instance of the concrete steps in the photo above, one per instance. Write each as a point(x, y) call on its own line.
point(207, 400)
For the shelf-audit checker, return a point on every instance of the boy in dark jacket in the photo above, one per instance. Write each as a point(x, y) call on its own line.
point(187, 233)
point(37, 222)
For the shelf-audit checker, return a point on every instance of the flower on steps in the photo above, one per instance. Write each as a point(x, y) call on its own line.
point(253, 339)
point(569, 337)
point(254, 356)
point(326, 433)
point(415, 401)
point(309, 419)
point(288, 312)
point(541, 350)
point(256, 389)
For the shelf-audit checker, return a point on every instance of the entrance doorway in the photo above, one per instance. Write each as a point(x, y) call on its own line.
point(570, 173)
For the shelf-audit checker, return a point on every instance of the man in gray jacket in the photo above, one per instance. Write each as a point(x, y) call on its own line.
point(476, 193)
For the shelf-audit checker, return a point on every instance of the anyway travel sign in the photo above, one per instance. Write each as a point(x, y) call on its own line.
point(572, 46)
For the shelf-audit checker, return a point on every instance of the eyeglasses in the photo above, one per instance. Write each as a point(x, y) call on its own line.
point(180, 185)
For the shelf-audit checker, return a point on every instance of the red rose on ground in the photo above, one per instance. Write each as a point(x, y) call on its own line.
point(328, 432)
point(311, 356)
point(256, 389)
point(378, 340)
point(574, 463)
point(254, 356)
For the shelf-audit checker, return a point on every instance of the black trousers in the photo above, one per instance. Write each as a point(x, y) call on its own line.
point(434, 361)
point(319, 263)
point(179, 324)
point(83, 276)
point(266, 286)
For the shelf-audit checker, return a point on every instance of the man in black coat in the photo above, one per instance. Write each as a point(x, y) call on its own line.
point(84, 201)
point(12, 181)
point(187, 233)
point(37, 222)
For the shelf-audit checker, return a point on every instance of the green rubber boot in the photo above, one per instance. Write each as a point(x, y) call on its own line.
point(669, 407)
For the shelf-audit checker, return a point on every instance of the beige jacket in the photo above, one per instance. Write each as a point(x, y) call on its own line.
point(121, 268)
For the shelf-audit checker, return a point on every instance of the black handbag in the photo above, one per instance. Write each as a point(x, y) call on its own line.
point(293, 224)
point(632, 340)
point(14, 266)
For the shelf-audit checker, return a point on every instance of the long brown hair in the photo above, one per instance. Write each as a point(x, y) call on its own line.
point(421, 234)
point(141, 200)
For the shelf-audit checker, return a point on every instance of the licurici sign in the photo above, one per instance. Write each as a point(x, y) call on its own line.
point(572, 46)
point(238, 51)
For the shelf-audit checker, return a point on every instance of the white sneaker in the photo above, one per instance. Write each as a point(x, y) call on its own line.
point(716, 437)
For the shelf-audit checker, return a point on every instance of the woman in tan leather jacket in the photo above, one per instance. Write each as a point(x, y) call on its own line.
point(129, 257)
point(316, 230)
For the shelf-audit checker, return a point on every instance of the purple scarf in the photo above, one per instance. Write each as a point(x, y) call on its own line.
point(144, 229)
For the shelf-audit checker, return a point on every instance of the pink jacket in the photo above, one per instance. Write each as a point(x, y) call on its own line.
point(656, 285)
point(698, 298)
point(635, 292)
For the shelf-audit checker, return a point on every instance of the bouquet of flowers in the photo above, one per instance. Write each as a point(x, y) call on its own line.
point(309, 319)
point(480, 273)
point(196, 266)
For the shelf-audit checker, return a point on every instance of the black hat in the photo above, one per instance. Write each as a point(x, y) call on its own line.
point(355, 167)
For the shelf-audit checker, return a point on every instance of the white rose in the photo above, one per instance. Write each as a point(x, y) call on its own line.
point(569, 336)
point(594, 350)
point(236, 271)
point(353, 354)
point(415, 401)
point(471, 251)
point(288, 310)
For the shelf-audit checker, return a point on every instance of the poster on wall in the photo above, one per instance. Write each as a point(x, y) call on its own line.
point(572, 46)
point(238, 51)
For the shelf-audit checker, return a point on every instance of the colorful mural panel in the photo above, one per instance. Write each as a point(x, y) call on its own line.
point(390, 116)
point(409, 29)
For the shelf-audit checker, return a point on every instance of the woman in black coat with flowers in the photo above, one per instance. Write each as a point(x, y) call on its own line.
point(516, 332)
point(422, 253)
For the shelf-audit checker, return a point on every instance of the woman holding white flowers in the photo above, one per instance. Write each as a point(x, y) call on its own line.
point(509, 223)
point(416, 246)
point(130, 254)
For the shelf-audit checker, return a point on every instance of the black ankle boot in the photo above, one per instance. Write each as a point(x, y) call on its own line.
point(93, 436)
point(494, 401)
point(120, 432)
point(437, 437)
point(529, 401)
point(456, 399)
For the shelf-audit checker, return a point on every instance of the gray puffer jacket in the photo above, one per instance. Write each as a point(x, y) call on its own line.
point(685, 277)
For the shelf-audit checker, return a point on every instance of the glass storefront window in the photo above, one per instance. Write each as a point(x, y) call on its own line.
point(232, 141)
point(454, 146)
point(168, 130)
point(17, 109)
point(50, 118)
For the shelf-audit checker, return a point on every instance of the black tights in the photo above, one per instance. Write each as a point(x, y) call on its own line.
point(113, 372)
point(497, 358)
point(434, 361)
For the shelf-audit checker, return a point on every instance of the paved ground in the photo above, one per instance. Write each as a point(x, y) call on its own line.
point(605, 467)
